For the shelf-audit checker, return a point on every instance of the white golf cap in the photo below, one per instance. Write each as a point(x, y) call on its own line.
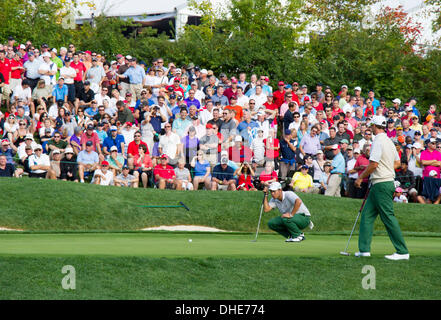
point(38, 147)
point(275, 186)
point(29, 136)
point(114, 148)
point(56, 151)
point(396, 100)
point(204, 71)
point(113, 62)
point(335, 146)
point(357, 89)
point(68, 150)
point(347, 108)
point(433, 173)
point(379, 121)
point(261, 113)
point(238, 138)
point(129, 57)
point(178, 70)
point(22, 46)
point(319, 151)
point(416, 145)
point(356, 150)
point(344, 86)
point(46, 54)
point(54, 50)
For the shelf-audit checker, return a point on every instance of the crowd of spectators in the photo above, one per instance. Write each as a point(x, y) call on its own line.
point(79, 116)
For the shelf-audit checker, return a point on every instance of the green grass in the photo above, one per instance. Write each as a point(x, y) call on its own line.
point(93, 228)
point(40, 205)
point(167, 266)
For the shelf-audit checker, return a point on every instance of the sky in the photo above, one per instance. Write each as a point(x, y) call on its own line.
point(131, 6)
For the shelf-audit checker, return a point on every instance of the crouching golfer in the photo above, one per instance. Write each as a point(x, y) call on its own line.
point(295, 216)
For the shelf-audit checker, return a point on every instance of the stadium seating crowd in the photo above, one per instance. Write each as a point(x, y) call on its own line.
point(79, 116)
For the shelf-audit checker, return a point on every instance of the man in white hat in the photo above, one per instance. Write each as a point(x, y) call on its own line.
point(295, 216)
point(383, 161)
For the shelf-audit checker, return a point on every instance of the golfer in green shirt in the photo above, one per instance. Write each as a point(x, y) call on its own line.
point(383, 161)
point(295, 216)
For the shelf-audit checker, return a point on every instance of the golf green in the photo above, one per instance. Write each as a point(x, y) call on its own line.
point(202, 245)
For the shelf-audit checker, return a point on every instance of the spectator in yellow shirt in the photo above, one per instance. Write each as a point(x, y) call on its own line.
point(302, 181)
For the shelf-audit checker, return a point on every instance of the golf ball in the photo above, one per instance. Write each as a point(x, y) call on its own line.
point(190, 240)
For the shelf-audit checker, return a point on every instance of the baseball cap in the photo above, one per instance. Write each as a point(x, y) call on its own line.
point(357, 89)
point(396, 100)
point(304, 167)
point(238, 139)
point(261, 113)
point(37, 147)
point(90, 127)
point(29, 136)
point(204, 71)
point(344, 141)
point(128, 57)
point(319, 151)
point(275, 186)
point(113, 128)
point(56, 151)
point(344, 86)
point(281, 83)
point(433, 173)
point(113, 148)
point(5, 142)
point(379, 121)
point(125, 167)
point(119, 56)
point(87, 83)
point(46, 54)
point(68, 150)
point(335, 146)
point(233, 98)
point(224, 160)
point(178, 70)
point(209, 126)
point(398, 189)
point(89, 143)
point(356, 150)
point(287, 132)
point(432, 140)
point(164, 156)
point(128, 124)
point(22, 46)
point(416, 145)
point(306, 99)
point(104, 163)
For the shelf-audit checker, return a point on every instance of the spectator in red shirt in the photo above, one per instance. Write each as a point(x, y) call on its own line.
point(279, 95)
point(272, 147)
point(80, 68)
point(240, 153)
point(17, 71)
point(165, 176)
point(5, 70)
point(91, 135)
point(176, 87)
point(231, 91)
point(268, 175)
point(361, 165)
point(133, 148)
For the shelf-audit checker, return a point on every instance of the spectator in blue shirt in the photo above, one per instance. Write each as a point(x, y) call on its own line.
point(223, 177)
point(337, 171)
point(114, 139)
point(60, 90)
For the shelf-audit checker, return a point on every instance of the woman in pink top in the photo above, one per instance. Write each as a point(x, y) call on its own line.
point(143, 165)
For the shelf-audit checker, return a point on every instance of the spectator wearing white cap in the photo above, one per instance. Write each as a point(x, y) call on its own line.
point(40, 165)
point(28, 142)
point(48, 71)
point(68, 166)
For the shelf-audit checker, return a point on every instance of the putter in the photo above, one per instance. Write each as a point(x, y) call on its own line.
point(346, 253)
point(260, 218)
point(181, 205)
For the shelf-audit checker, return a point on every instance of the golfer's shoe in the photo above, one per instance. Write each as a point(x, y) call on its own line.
point(290, 239)
point(362, 254)
point(397, 256)
point(303, 236)
point(311, 225)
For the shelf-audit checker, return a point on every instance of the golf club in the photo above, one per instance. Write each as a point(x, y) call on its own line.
point(346, 253)
point(260, 218)
point(181, 205)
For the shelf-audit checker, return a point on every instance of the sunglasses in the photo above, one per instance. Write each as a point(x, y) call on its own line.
point(22, 124)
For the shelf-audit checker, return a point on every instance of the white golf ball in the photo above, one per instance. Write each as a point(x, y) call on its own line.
point(190, 240)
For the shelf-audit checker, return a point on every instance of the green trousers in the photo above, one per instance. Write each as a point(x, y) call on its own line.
point(289, 227)
point(380, 201)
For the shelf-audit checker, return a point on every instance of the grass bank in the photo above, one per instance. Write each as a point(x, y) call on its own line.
point(41, 205)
